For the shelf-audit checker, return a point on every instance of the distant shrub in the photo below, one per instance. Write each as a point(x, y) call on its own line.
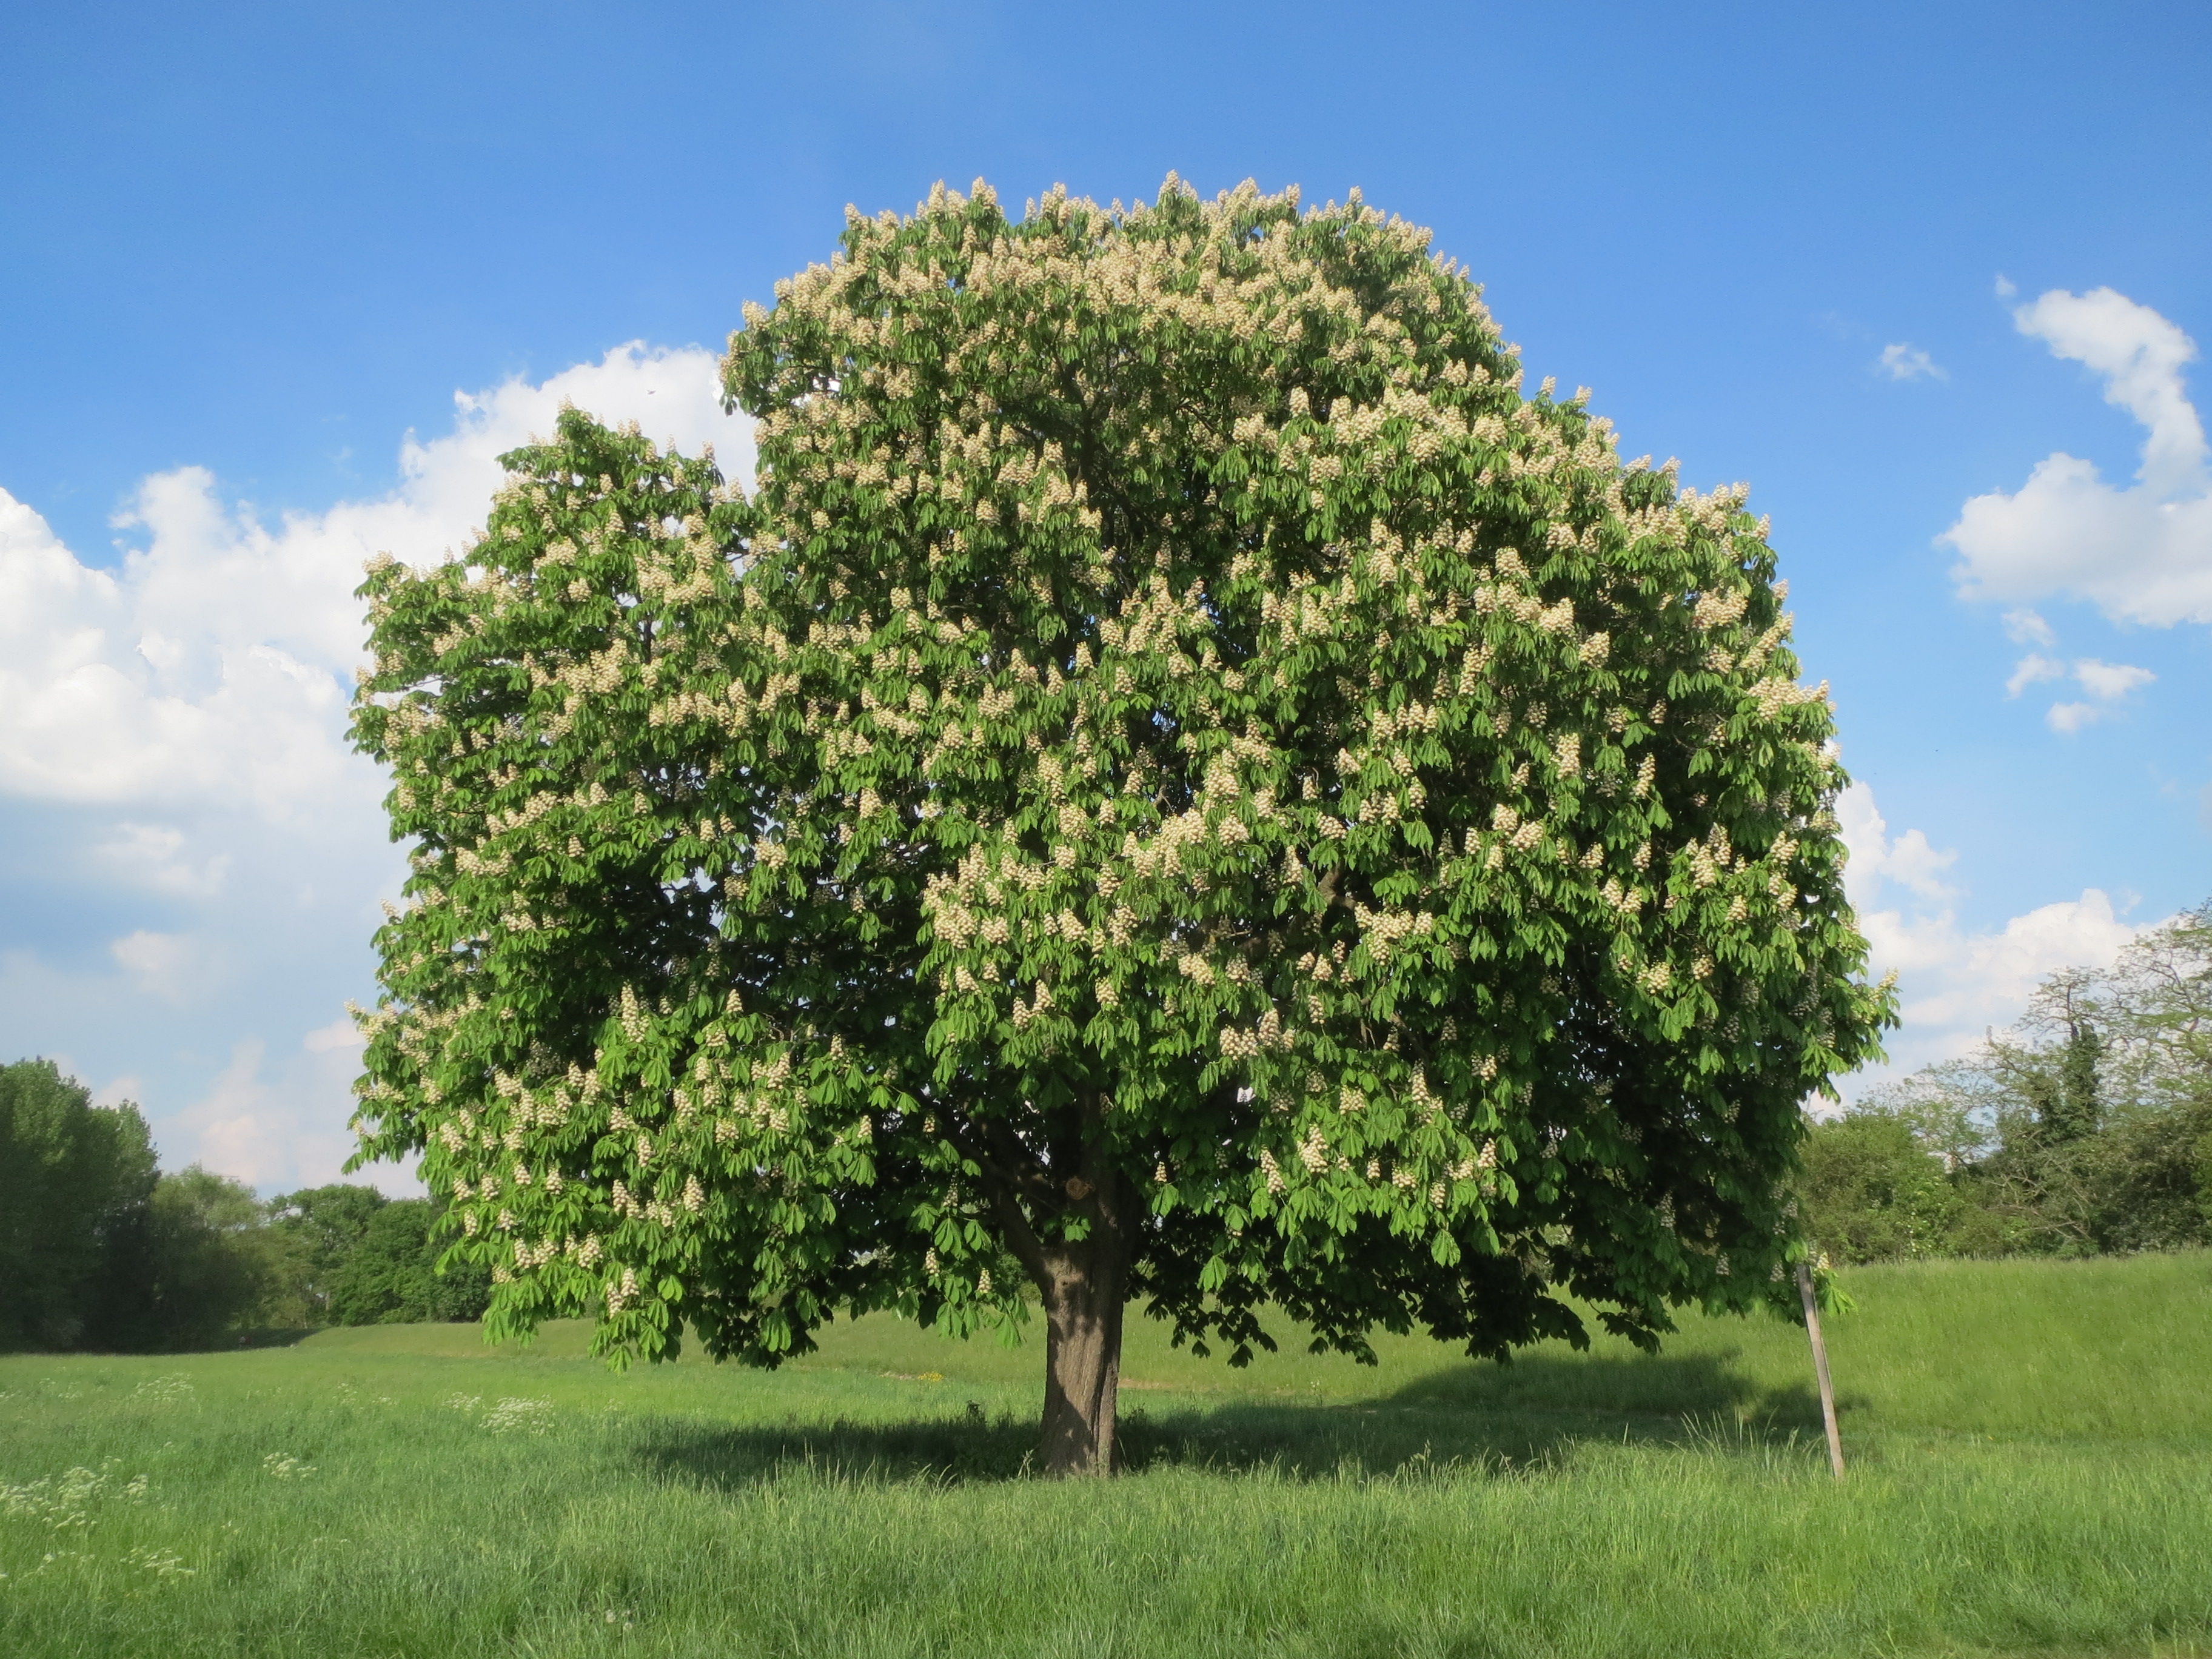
point(1873, 1192)
point(98, 1249)
point(391, 1276)
point(2086, 1130)
point(76, 1180)
point(2152, 1180)
point(318, 1229)
point(211, 1261)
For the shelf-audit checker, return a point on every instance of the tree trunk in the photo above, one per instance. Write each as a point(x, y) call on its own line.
point(1083, 1349)
point(1083, 1283)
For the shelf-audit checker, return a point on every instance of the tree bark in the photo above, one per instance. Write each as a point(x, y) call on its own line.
point(1082, 1300)
point(1083, 1282)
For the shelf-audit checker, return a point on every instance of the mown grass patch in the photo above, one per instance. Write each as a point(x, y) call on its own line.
point(2032, 1447)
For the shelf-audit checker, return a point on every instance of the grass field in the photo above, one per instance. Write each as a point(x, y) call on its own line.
point(2032, 1473)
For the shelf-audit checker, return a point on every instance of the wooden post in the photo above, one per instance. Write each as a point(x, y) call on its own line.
point(1820, 1369)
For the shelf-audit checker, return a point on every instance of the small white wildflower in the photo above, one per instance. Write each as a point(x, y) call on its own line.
point(514, 1415)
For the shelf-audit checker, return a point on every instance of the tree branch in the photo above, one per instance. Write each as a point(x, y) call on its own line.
point(1020, 1237)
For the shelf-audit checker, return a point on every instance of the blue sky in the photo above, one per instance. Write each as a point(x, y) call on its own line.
point(252, 254)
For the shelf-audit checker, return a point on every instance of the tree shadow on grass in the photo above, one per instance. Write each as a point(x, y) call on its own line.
point(1472, 1416)
point(1632, 1386)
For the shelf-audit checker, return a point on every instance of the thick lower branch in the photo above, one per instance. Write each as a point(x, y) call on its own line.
point(1020, 1237)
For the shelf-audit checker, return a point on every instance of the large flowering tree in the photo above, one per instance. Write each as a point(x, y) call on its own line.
point(1180, 783)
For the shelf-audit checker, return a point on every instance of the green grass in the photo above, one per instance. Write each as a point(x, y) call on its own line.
point(2032, 1473)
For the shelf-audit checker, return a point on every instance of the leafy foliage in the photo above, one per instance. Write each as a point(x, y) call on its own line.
point(348, 1255)
point(1874, 1192)
point(2087, 1129)
point(391, 1276)
point(75, 1179)
point(210, 1260)
point(100, 1250)
point(318, 1229)
point(1178, 749)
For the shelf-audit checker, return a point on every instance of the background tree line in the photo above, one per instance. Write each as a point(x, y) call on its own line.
point(101, 1249)
point(2086, 1129)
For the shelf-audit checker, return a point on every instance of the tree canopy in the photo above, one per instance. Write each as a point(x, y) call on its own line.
point(1181, 782)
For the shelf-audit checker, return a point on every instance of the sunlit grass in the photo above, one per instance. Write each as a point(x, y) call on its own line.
point(2032, 1472)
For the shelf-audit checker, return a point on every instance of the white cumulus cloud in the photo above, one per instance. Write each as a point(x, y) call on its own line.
point(2110, 679)
point(1908, 860)
point(173, 743)
point(217, 664)
point(2107, 681)
point(2032, 669)
point(158, 857)
point(1954, 982)
point(1905, 362)
point(160, 963)
point(2141, 553)
point(340, 1035)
